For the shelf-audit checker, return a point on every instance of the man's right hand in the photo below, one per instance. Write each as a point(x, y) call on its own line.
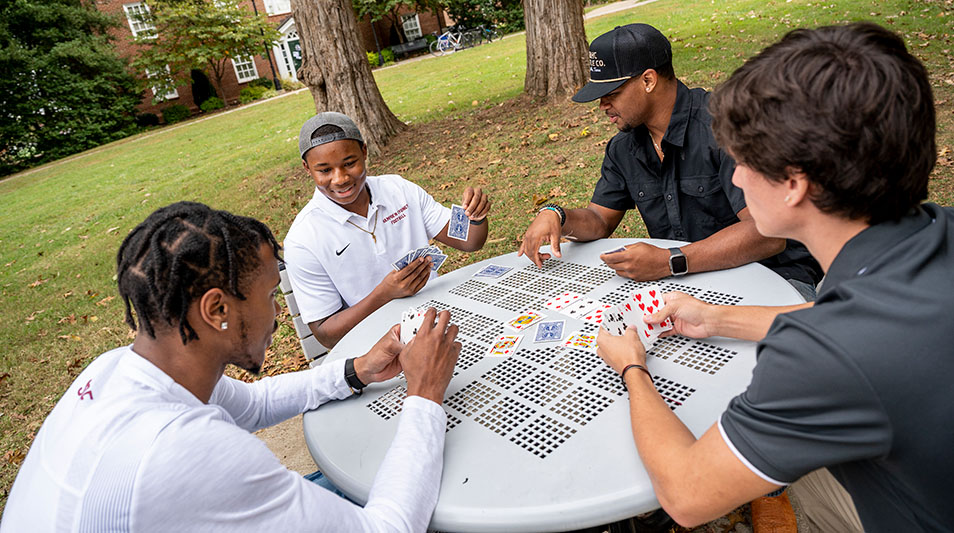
point(428, 360)
point(545, 228)
point(690, 317)
point(407, 281)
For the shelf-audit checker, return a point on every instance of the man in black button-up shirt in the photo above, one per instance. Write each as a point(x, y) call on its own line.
point(666, 163)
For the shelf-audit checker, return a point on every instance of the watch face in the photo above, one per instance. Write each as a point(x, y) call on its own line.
point(678, 264)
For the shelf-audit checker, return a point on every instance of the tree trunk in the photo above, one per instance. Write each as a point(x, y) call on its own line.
point(556, 48)
point(336, 70)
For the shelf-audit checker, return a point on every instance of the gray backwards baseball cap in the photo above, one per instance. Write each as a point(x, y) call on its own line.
point(349, 130)
point(618, 55)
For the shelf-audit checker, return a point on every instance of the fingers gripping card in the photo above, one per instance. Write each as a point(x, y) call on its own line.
point(411, 321)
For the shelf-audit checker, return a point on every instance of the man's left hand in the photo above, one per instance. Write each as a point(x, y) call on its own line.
point(640, 262)
point(618, 352)
point(381, 362)
point(476, 203)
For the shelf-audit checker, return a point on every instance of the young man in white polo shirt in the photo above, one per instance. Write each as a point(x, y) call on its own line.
point(340, 247)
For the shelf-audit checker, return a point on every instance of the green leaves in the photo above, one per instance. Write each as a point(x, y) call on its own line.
point(201, 34)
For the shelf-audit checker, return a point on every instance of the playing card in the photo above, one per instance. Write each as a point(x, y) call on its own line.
point(459, 225)
point(550, 331)
point(411, 321)
point(579, 308)
point(614, 250)
point(613, 321)
point(492, 271)
point(582, 341)
point(438, 260)
point(505, 345)
point(525, 320)
point(403, 261)
point(561, 300)
point(595, 315)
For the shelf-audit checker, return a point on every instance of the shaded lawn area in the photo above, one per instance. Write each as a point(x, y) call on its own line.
point(60, 226)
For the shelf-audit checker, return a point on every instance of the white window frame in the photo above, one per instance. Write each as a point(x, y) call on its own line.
point(133, 12)
point(236, 61)
point(277, 7)
point(414, 30)
point(174, 93)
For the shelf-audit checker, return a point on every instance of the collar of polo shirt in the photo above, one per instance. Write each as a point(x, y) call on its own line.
point(342, 215)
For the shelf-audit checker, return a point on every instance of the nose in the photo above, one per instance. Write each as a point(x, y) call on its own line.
point(604, 104)
point(278, 308)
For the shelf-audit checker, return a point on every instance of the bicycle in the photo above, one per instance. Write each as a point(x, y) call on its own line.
point(449, 42)
point(488, 34)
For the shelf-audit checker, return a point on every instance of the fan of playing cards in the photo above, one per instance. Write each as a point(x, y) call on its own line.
point(430, 251)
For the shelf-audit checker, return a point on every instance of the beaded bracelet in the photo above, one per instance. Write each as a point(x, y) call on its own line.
point(556, 209)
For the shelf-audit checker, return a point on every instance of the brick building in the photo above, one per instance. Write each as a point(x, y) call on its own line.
point(283, 59)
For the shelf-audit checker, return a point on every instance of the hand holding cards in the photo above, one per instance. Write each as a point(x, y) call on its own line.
point(437, 258)
point(631, 311)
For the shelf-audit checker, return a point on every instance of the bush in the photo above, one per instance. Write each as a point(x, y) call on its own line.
point(147, 119)
point(372, 59)
point(291, 85)
point(262, 82)
point(269, 93)
point(388, 55)
point(212, 104)
point(175, 113)
point(249, 94)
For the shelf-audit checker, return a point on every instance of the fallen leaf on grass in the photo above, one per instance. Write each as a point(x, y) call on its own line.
point(14, 457)
point(68, 338)
point(32, 316)
point(105, 301)
point(112, 229)
point(67, 319)
point(554, 136)
point(3, 377)
point(539, 200)
point(557, 192)
point(39, 281)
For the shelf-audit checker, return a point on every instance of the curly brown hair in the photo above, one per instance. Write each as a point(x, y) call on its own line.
point(846, 105)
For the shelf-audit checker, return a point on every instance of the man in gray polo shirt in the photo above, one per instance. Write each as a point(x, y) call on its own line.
point(833, 130)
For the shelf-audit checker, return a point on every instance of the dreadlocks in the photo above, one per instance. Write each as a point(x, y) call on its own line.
point(177, 254)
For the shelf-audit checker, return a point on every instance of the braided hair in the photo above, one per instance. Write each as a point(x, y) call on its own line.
point(177, 254)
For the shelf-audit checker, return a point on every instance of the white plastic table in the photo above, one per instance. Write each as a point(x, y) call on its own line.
point(540, 440)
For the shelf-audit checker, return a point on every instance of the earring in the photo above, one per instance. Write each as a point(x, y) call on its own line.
point(787, 198)
point(225, 325)
point(648, 89)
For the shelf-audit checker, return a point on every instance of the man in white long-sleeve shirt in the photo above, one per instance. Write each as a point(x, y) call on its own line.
point(153, 437)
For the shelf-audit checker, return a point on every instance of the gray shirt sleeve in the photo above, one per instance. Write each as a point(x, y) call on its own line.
point(808, 405)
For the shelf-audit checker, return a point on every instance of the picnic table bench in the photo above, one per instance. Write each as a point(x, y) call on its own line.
point(411, 46)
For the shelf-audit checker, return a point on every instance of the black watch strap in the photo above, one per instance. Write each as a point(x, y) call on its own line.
point(351, 377)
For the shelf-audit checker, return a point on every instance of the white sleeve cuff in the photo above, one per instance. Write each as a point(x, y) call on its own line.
point(743, 460)
point(432, 408)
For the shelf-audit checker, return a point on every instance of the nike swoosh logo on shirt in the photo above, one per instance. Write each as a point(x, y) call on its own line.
point(341, 251)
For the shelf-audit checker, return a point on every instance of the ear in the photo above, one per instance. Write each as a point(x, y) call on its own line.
point(364, 150)
point(214, 308)
point(649, 79)
point(305, 165)
point(797, 186)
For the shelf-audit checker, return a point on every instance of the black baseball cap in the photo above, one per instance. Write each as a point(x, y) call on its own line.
point(349, 130)
point(620, 54)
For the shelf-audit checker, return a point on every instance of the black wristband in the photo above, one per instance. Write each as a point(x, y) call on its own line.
point(622, 375)
point(559, 210)
point(351, 377)
point(478, 222)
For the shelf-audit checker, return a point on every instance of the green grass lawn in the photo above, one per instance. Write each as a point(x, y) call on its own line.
point(60, 225)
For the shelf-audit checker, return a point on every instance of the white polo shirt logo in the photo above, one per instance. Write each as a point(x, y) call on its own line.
point(397, 216)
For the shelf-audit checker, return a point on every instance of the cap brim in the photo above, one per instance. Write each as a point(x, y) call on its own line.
point(593, 90)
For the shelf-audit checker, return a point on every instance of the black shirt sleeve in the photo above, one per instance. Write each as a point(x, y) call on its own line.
point(611, 190)
point(808, 405)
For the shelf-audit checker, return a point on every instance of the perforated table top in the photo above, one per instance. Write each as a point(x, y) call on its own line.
point(539, 440)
